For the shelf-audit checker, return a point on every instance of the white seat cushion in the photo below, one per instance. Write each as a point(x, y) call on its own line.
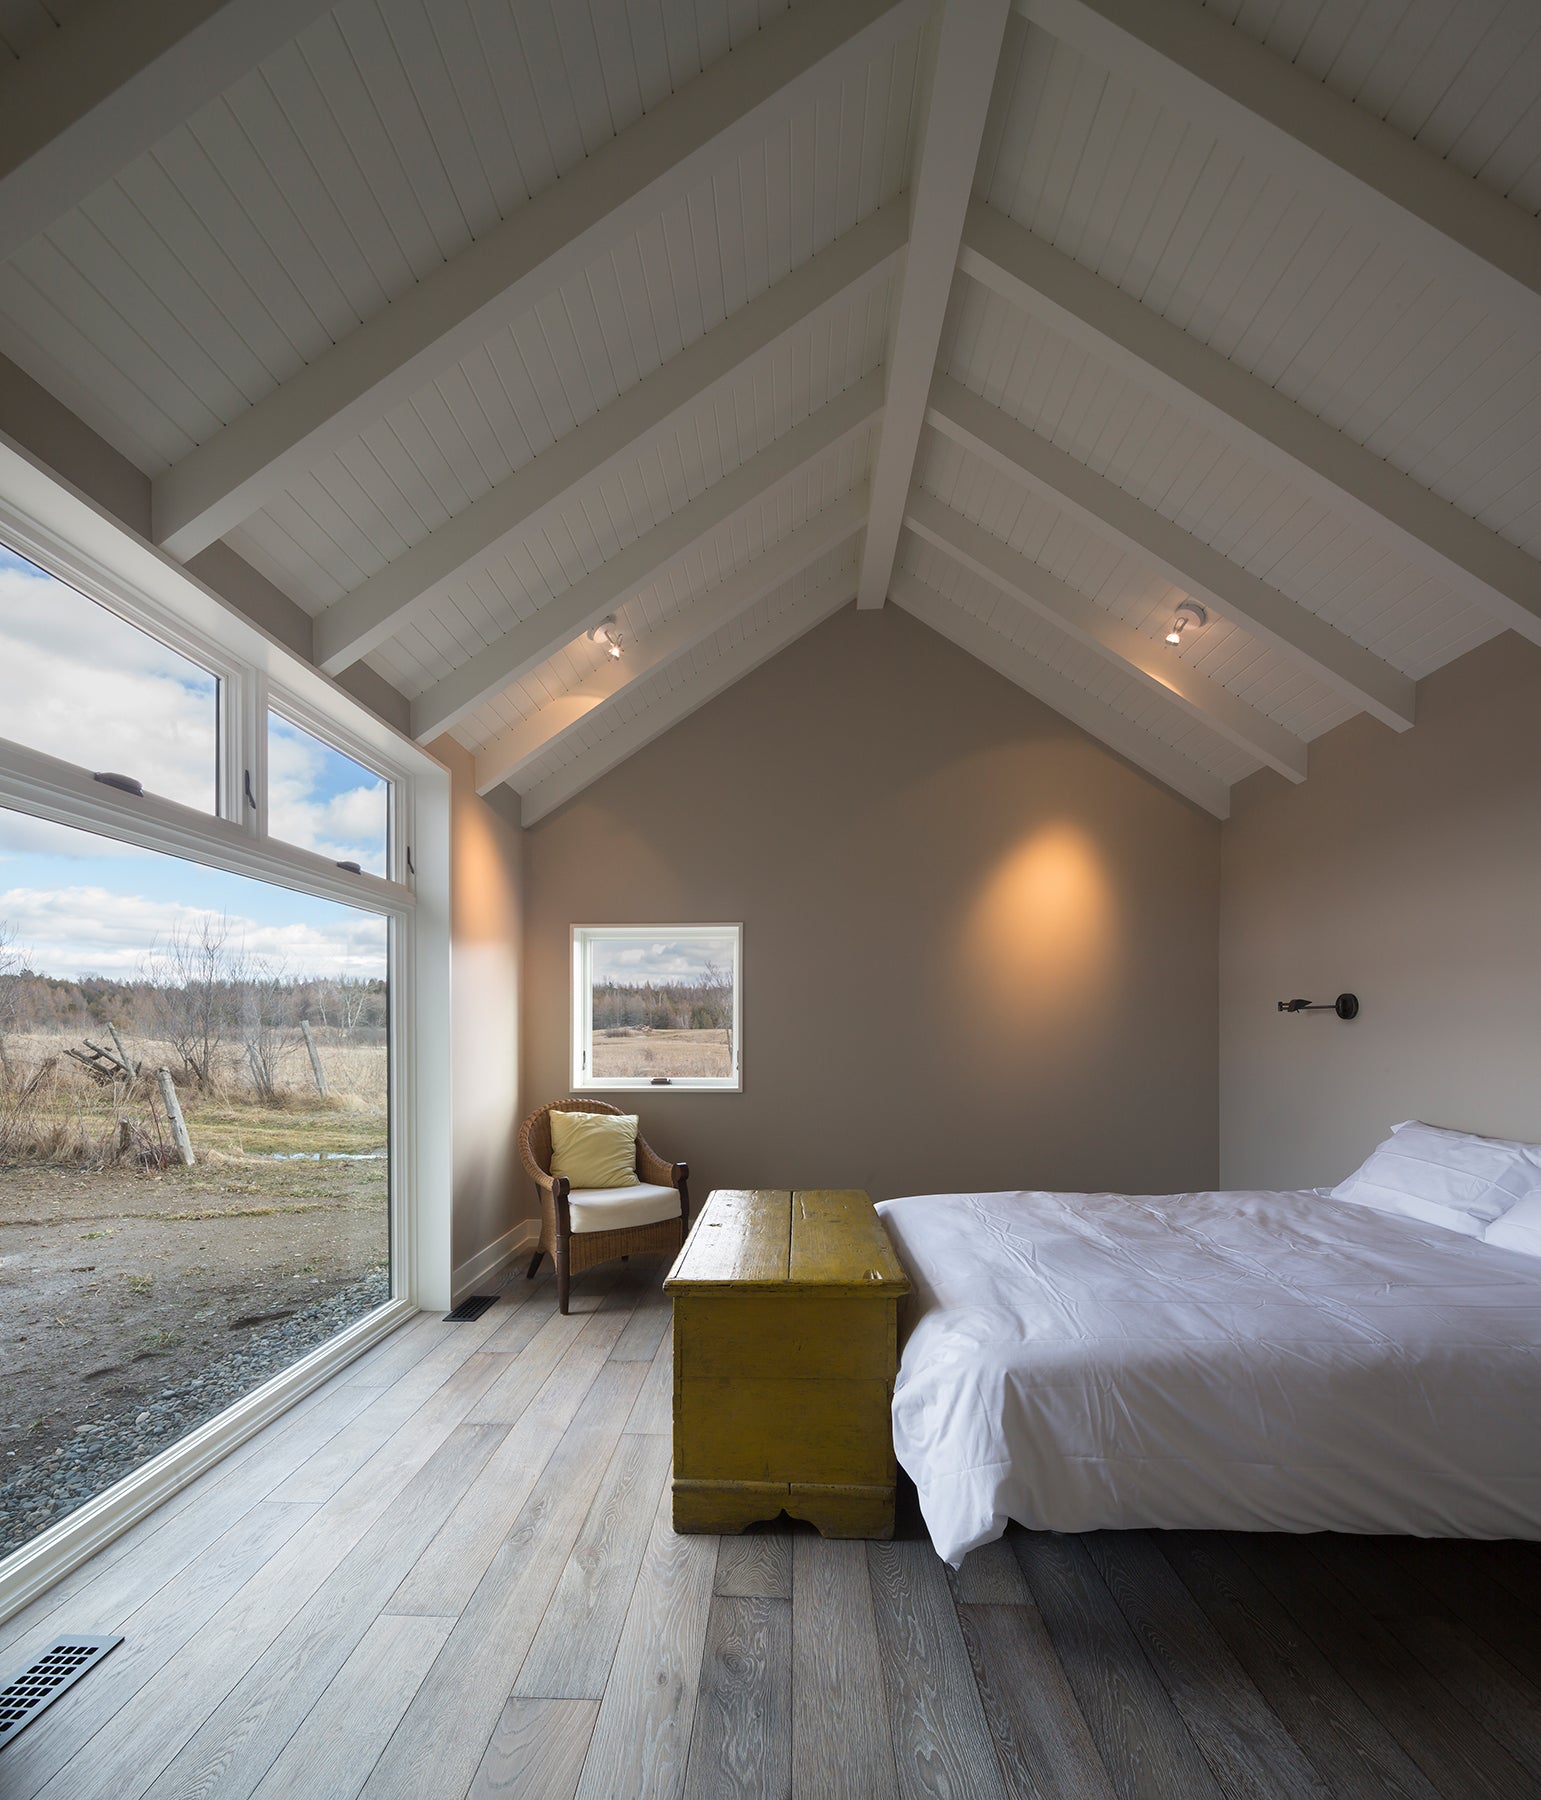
point(612, 1209)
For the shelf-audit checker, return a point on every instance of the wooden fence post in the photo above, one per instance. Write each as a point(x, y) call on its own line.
point(315, 1058)
point(130, 1068)
point(174, 1113)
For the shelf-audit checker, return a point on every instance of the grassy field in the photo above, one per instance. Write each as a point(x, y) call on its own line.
point(636, 1052)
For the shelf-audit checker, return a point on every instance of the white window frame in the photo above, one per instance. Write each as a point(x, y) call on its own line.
point(582, 1013)
point(68, 537)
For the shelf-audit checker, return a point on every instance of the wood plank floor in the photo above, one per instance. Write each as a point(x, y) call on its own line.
point(451, 1572)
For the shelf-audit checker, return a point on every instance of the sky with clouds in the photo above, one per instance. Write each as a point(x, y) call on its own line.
point(660, 960)
point(82, 684)
point(79, 904)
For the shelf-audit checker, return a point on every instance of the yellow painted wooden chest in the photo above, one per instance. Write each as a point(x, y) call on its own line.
point(785, 1351)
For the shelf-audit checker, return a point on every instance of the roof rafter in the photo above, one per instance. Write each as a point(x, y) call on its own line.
point(731, 666)
point(1336, 152)
point(1093, 715)
point(744, 588)
point(1078, 304)
point(589, 599)
point(112, 81)
point(1120, 643)
point(967, 52)
point(1023, 456)
point(363, 619)
point(549, 239)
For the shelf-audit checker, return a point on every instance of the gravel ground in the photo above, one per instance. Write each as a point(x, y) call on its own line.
point(98, 1454)
point(134, 1307)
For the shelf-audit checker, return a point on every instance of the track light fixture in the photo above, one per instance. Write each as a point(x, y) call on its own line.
point(607, 634)
point(1190, 616)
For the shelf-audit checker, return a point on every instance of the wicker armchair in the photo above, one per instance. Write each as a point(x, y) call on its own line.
point(573, 1249)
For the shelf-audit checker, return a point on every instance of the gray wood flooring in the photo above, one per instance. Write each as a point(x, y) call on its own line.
point(450, 1572)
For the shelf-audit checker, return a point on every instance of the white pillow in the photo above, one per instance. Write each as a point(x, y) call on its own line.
point(1447, 1178)
point(1519, 1228)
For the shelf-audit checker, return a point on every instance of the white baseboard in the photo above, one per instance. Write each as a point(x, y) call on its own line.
point(491, 1261)
point(51, 1555)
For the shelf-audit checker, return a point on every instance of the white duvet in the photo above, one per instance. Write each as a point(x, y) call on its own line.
point(1234, 1361)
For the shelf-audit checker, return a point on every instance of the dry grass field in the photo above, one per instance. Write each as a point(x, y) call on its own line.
point(626, 1051)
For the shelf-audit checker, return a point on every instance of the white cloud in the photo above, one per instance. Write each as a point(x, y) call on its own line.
point(348, 826)
point(82, 684)
point(74, 931)
point(678, 959)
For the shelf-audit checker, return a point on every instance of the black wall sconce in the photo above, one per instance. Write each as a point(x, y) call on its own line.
point(1346, 1006)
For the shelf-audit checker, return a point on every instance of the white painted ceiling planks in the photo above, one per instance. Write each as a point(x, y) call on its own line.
point(469, 325)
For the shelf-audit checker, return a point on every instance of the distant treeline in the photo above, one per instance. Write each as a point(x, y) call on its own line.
point(50, 1003)
point(704, 1005)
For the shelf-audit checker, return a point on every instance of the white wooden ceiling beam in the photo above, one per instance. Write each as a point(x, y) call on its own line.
point(588, 600)
point(1152, 664)
point(110, 82)
point(532, 496)
point(967, 50)
point(1433, 535)
point(799, 58)
point(734, 663)
point(1023, 456)
point(1334, 152)
point(1094, 716)
point(518, 747)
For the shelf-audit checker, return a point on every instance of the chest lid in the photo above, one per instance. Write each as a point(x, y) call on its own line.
point(828, 1240)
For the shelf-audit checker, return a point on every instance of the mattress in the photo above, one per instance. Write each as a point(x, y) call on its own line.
point(1236, 1361)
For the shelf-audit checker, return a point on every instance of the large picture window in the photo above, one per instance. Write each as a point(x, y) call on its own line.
point(144, 999)
point(657, 1006)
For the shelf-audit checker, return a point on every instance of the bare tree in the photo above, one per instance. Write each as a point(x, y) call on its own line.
point(12, 966)
point(265, 1012)
point(191, 981)
point(717, 986)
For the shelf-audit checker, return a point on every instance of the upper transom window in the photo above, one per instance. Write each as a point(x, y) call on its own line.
point(323, 800)
point(83, 684)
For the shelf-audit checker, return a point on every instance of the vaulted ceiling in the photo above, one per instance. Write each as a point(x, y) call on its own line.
point(470, 323)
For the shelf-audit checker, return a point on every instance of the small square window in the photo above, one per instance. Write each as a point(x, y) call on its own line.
point(656, 1006)
point(82, 684)
point(322, 800)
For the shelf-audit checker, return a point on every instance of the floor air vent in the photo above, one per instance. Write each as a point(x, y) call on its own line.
point(61, 1665)
point(471, 1308)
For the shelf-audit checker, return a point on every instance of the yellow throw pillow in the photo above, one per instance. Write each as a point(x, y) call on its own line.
point(594, 1150)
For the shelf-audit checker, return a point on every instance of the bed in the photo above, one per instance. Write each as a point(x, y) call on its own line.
point(1238, 1361)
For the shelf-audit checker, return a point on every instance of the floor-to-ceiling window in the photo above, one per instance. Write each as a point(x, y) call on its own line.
point(205, 904)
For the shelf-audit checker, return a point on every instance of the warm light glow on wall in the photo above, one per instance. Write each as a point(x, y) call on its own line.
point(1043, 936)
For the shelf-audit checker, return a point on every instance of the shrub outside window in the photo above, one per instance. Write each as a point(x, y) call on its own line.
point(657, 1006)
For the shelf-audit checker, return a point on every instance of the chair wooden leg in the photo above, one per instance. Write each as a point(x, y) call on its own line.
point(562, 1281)
point(529, 1273)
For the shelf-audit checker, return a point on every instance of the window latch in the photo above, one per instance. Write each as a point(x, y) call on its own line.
point(125, 784)
point(411, 866)
point(251, 798)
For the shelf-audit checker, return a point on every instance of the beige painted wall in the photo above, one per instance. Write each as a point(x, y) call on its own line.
point(979, 948)
point(486, 935)
point(1408, 870)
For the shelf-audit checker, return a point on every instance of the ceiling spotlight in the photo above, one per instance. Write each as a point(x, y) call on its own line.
point(1190, 616)
point(607, 634)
